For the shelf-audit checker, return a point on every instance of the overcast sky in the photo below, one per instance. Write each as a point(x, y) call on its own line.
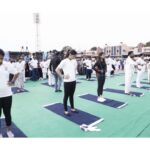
point(78, 23)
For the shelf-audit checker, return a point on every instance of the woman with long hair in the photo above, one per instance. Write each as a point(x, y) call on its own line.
point(100, 68)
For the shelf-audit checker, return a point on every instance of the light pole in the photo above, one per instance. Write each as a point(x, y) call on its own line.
point(37, 22)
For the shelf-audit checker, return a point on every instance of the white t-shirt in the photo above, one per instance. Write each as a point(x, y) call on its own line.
point(130, 66)
point(141, 64)
point(34, 63)
point(69, 67)
point(88, 64)
point(47, 63)
point(5, 70)
point(19, 67)
point(23, 65)
point(109, 62)
point(43, 64)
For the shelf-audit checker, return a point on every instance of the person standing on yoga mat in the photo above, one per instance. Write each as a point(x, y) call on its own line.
point(100, 68)
point(130, 66)
point(69, 67)
point(141, 67)
point(5, 91)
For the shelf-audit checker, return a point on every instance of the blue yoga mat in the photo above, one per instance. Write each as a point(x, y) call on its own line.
point(78, 118)
point(134, 86)
point(46, 83)
point(138, 94)
point(17, 132)
point(87, 80)
point(108, 102)
point(14, 90)
point(143, 83)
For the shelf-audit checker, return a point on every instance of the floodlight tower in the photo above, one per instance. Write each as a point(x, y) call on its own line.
point(37, 22)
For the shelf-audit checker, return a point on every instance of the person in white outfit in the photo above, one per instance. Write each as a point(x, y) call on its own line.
point(51, 79)
point(117, 65)
point(20, 80)
point(129, 72)
point(148, 71)
point(88, 64)
point(23, 63)
point(141, 67)
point(109, 62)
point(43, 66)
point(5, 92)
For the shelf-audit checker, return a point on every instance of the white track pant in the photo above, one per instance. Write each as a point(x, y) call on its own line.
point(109, 69)
point(20, 81)
point(138, 78)
point(24, 76)
point(128, 82)
point(51, 80)
point(44, 72)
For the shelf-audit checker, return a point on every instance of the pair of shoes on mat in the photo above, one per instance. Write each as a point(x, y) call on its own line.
point(18, 90)
point(10, 134)
point(131, 94)
point(72, 111)
point(75, 111)
point(22, 90)
point(67, 114)
point(101, 99)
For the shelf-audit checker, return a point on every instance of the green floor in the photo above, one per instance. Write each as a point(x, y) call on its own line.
point(35, 121)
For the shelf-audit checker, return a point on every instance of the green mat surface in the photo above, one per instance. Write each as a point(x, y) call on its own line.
point(35, 121)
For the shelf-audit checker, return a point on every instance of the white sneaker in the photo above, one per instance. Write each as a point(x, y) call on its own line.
point(10, 134)
point(100, 99)
point(1, 136)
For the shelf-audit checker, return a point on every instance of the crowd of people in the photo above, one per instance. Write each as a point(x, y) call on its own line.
point(62, 67)
point(114, 65)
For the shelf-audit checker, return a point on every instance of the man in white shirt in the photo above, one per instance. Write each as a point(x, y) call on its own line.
point(69, 67)
point(23, 64)
point(5, 92)
point(129, 72)
point(20, 80)
point(43, 66)
point(34, 65)
point(141, 67)
point(109, 62)
point(88, 64)
point(117, 65)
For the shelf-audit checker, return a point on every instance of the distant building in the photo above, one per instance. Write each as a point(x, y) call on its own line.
point(141, 48)
point(93, 52)
point(120, 50)
point(117, 51)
